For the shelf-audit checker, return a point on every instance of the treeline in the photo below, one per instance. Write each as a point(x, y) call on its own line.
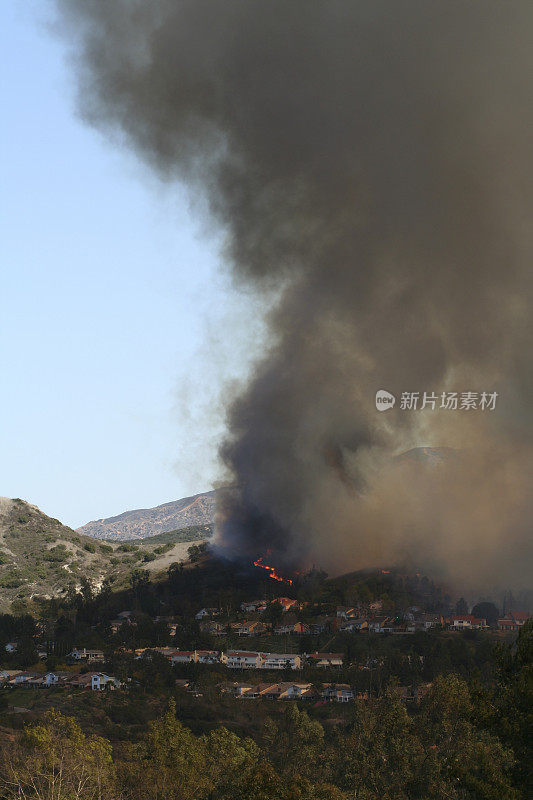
point(464, 742)
point(384, 754)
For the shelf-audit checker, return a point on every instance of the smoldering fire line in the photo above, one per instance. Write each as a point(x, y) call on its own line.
point(373, 159)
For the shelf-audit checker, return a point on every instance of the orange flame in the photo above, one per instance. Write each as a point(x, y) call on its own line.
point(385, 571)
point(272, 572)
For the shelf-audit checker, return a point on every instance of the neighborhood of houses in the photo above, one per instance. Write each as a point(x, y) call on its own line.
point(347, 619)
point(328, 692)
point(293, 619)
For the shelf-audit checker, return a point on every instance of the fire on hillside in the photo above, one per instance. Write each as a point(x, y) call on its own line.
point(272, 571)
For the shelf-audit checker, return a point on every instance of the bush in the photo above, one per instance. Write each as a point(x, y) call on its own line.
point(90, 547)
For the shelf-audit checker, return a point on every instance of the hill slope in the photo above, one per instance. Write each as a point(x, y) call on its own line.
point(41, 558)
point(142, 523)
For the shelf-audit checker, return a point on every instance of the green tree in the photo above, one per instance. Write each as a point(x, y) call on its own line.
point(295, 743)
point(488, 611)
point(170, 764)
point(377, 760)
point(513, 702)
point(234, 766)
point(55, 760)
point(459, 761)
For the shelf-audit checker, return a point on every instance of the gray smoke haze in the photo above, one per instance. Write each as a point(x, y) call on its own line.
point(371, 162)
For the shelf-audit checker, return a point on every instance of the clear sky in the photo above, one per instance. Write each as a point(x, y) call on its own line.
point(119, 330)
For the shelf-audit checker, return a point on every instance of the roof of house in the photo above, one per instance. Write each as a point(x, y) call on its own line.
point(325, 656)
point(241, 654)
point(286, 656)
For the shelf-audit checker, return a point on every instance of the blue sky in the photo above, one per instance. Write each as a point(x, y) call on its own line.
point(119, 330)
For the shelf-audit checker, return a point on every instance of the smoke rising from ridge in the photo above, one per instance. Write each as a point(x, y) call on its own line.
point(372, 160)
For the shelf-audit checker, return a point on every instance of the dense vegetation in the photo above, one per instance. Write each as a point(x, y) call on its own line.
point(463, 742)
point(468, 739)
point(40, 557)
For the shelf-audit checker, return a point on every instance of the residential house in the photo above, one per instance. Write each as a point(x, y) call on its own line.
point(285, 602)
point(8, 674)
point(354, 625)
point(168, 652)
point(87, 654)
point(56, 679)
point(326, 659)
point(96, 681)
point(291, 625)
point(338, 692)
point(207, 657)
point(206, 612)
point(270, 691)
point(379, 624)
point(513, 621)
point(280, 661)
point(286, 691)
point(347, 612)
point(212, 627)
point(24, 678)
point(240, 659)
point(183, 657)
point(237, 689)
point(253, 628)
point(297, 691)
point(467, 622)
point(423, 622)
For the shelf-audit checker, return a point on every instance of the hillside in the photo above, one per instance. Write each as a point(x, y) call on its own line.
point(41, 558)
point(142, 523)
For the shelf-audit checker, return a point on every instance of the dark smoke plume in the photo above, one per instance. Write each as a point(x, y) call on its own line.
point(371, 162)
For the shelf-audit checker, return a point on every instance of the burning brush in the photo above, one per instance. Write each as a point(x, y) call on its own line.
point(272, 572)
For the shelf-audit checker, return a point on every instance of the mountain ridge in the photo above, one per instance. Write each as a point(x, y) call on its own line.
point(142, 523)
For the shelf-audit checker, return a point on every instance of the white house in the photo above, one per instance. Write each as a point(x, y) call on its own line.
point(468, 622)
point(24, 678)
point(326, 659)
point(207, 656)
point(101, 681)
point(87, 654)
point(183, 657)
point(281, 661)
point(55, 678)
point(241, 659)
point(339, 692)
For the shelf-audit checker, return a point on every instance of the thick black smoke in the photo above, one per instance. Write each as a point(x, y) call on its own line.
point(371, 161)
